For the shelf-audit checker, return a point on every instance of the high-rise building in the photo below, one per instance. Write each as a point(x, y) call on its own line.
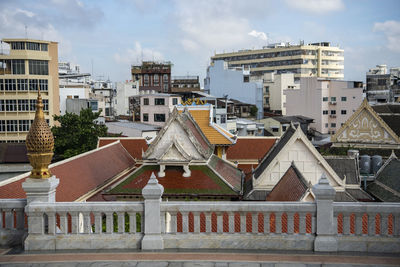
point(312, 60)
point(382, 85)
point(153, 76)
point(29, 65)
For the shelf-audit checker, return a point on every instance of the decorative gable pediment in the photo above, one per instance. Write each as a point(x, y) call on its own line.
point(174, 152)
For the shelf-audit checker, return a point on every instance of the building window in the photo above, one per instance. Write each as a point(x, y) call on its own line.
point(145, 101)
point(43, 84)
point(44, 47)
point(275, 130)
point(165, 78)
point(18, 45)
point(159, 101)
point(10, 85)
point(33, 46)
point(159, 117)
point(382, 82)
point(165, 87)
point(22, 84)
point(156, 79)
point(174, 101)
point(325, 99)
point(325, 112)
point(343, 98)
point(146, 80)
point(12, 126)
point(11, 105)
point(145, 117)
point(2, 105)
point(1, 85)
point(333, 98)
point(45, 105)
point(223, 118)
point(326, 125)
point(38, 67)
point(246, 79)
point(333, 125)
point(32, 104)
point(94, 105)
point(2, 125)
point(333, 112)
point(18, 66)
point(33, 85)
point(343, 112)
point(267, 89)
point(284, 128)
point(23, 125)
point(23, 105)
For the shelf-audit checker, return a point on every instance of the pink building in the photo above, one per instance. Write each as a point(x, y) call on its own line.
point(155, 108)
point(330, 103)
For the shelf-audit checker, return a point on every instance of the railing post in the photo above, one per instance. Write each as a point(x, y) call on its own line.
point(152, 193)
point(326, 237)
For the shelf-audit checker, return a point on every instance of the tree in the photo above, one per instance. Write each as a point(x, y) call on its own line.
point(253, 111)
point(76, 133)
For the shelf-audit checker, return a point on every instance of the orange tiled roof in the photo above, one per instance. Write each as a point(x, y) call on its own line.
point(133, 146)
point(202, 118)
point(250, 148)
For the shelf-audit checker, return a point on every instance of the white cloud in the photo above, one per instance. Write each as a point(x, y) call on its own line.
point(316, 6)
point(260, 35)
point(391, 29)
point(137, 54)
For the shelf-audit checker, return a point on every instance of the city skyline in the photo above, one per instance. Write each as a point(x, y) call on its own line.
point(114, 35)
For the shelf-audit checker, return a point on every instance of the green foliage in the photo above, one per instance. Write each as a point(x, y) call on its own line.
point(76, 133)
point(253, 111)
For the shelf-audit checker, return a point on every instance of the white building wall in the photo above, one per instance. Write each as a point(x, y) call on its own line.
point(223, 81)
point(80, 91)
point(124, 91)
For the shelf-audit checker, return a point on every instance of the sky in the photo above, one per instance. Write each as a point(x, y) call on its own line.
point(109, 36)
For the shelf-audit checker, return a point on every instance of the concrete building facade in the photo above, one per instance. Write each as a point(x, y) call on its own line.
point(234, 82)
point(329, 103)
point(382, 85)
point(153, 76)
point(304, 60)
point(124, 91)
point(29, 66)
point(156, 108)
point(185, 84)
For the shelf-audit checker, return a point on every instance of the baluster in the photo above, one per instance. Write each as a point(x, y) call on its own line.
point(302, 223)
point(63, 222)
point(290, 222)
point(231, 220)
point(346, 223)
point(243, 222)
point(132, 222)
point(220, 224)
point(109, 222)
point(278, 222)
point(254, 223)
point(98, 223)
point(185, 222)
point(196, 222)
point(9, 218)
point(1, 218)
point(87, 226)
point(396, 224)
point(371, 223)
point(208, 222)
point(121, 222)
point(358, 226)
point(173, 224)
point(74, 222)
point(20, 219)
point(266, 222)
point(384, 224)
point(313, 224)
point(162, 221)
point(51, 222)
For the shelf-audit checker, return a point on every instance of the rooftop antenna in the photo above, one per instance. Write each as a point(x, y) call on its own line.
point(92, 65)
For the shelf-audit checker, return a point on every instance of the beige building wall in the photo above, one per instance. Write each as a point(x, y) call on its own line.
point(151, 109)
point(324, 101)
point(19, 130)
point(272, 126)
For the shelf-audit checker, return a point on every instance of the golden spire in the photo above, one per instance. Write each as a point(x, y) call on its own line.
point(40, 143)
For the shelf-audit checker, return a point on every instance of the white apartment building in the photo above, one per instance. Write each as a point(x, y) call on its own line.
point(273, 88)
point(155, 108)
point(124, 91)
point(329, 103)
point(304, 60)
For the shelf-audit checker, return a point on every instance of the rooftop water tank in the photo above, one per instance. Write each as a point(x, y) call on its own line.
point(365, 164)
point(376, 163)
point(353, 153)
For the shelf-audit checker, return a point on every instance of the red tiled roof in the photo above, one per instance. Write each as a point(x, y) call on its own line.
point(197, 134)
point(247, 169)
point(133, 146)
point(232, 175)
point(80, 174)
point(250, 148)
point(291, 187)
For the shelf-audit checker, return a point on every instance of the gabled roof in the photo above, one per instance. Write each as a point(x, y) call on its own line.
point(390, 114)
point(182, 131)
point(247, 148)
point(202, 182)
point(386, 186)
point(227, 172)
point(365, 107)
point(291, 187)
point(345, 167)
point(214, 133)
point(134, 145)
point(79, 175)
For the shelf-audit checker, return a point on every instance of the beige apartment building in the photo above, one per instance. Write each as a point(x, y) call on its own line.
point(305, 60)
point(156, 108)
point(329, 103)
point(29, 65)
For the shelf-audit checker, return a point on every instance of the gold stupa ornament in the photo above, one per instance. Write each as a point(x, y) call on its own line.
point(40, 144)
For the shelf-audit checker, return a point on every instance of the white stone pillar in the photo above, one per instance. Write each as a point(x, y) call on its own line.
point(40, 190)
point(324, 196)
point(161, 173)
point(152, 193)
